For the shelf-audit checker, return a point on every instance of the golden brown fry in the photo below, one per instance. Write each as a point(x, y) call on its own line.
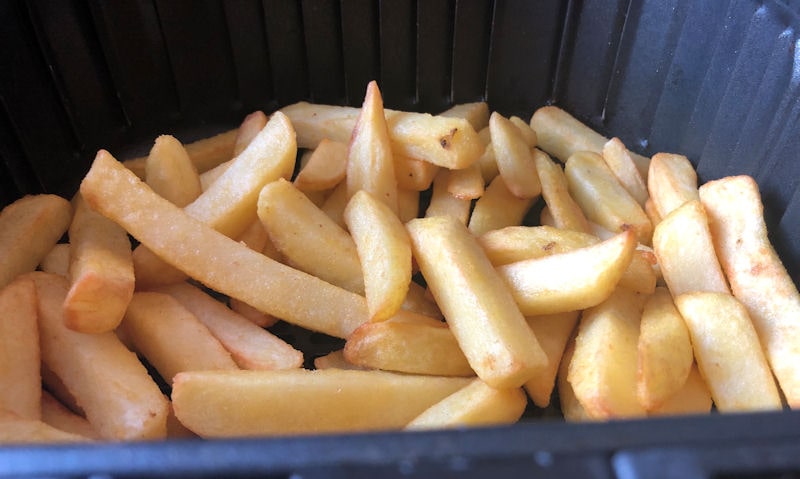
point(497, 208)
point(555, 191)
point(29, 228)
point(413, 174)
point(251, 125)
point(480, 310)
point(693, 398)
point(467, 183)
point(101, 272)
point(205, 153)
point(570, 406)
point(300, 401)
point(418, 300)
point(20, 379)
point(335, 204)
point(757, 277)
point(553, 332)
point(620, 162)
point(171, 173)
point(513, 156)
point(476, 113)
point(325, 168)
point(442, 203)
point(525, 131)
point(672, 181)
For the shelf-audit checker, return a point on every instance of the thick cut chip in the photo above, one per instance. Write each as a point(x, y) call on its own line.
point(477, 404)
point(60, 417)
point(467, 183)
point(476, 113)
point(171, 338)
point(407, 204)
point(384, 251)
point(171, 173)
point(17, 430)
point(602, 371)
point(728, 352)
point(570, 406)
point(251, 125)
point(513, 156)
point(443, 203)
point(205, 153)
point(300, 401)
point(334, 360)
point(757, 277)
point(685, 251)
point(370, 165)
point(29, 228)
point(566, 213)
point(477, 305)
point(219, 262)
point(602, 197)
point(619, 160)
point(498, 208)
point(307, 238)
point(692, 398)
point(665, 351)
point(672, 182)
point(20, 377)
point(569, 281)
point(325, 168)
point(57, 260)
point(100, 272)
point(553, 332)
point(413, 174)
point(109, 384)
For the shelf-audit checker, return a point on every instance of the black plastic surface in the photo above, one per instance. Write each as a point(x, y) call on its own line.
point(718, 81)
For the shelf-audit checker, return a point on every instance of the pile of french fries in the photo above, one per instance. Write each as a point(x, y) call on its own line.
point(637, 294)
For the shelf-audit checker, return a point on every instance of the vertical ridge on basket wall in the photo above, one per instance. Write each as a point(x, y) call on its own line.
point(323, 40)
point(398, 56)
point(470, 57)
point(287, 50)
point(249, 55)
point(434, 53)
point(360, 47)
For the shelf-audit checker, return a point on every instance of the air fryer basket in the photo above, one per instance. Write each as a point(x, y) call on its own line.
point(718, 81)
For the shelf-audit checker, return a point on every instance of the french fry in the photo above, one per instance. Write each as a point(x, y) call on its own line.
point(467, 183)
point(219, 262)
point(419, 301)
point(370, 165)
point(29, 228)
point(250, 346)
point(207, 178)
point(20, 378)
point(555, 191)
point(685, 251)
point(562, 135)
point(476, 404)
point(602, 198)
point(307, 238)
point(525, 131)
point(171, 338)
point(334, 360)
point(248, 130)
point(497, 208)
point(757, 277)
point(449, 142)
point(553, 332)
point(619, 161)
point(205, 153)
point(407, 204)
point(101, 272)
point(476, 113)
point(571, 408)
point(569, 281)
point(171, 173)
point(487, 162)
point(672, 181)
point(121, 401)
point(408, 347)
point(18, 430)
point(652, 212)
point(56, 260)
point(602, 371)
point(728, 352)
point(513, 156)
point(60, 417)
point(413, 174)
point(326, 167)
point(259, 318)
point(303, 401)
point(443, 203)
point(665, 351)
point(384, 251)
point(335, 204)
point(693, 398)
point(480, 310)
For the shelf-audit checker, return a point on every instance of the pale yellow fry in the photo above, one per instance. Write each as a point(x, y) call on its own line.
point(251, 125)
point(652, 211)
point(757, 277)
point(300, 401)
point(467, 183)
point(448, 142)
point(407, 204)
point(207, 178)
point(672, 181)
point(603, 367)
point(384, 251)
point(525, 131)
point(307, 238)
point(619, 160)
point(205, 153)
point(442, 203)
point(555, 191)
point(487, 163)
point(562, 135)
point(513, 156)
point(60, 417)
point(57, 260)
point(20, 379)
point(476, 113)
point(477, 404)
point(334, 360)
point(728, 352)
point(29, 228)
point(259, 318)
point(665, 351)
point(151, 271)
point(498, 208)
point(692, 398)
point(18, 430)
point(370, 165)
point(553, 332)
point(255, 236)
point(251, 346)
point(408, 347)
point(685, 251)
point(171, 338)
point(120, 399)
point(171, 173)
point(602, 197)
point(219, 262)
point(419, 301)
point(569, 281)
point(101, 272)
point(335, 204)
point(413, 174)
point(325, 168)
point(571, 408)
point(477, 305)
